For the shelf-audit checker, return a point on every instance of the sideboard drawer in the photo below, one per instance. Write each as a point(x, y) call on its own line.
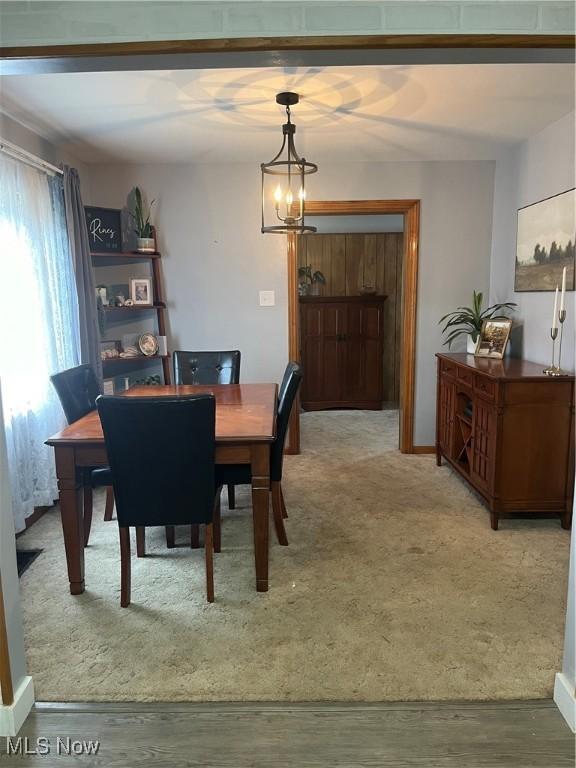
point(466, 376)
point(447, 367)
point(485, 387)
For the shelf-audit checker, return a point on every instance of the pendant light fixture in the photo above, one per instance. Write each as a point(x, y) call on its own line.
point(283, 181)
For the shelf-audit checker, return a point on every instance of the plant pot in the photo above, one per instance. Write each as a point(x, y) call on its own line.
point(470, 344)
point(146, 245)
point(304, 289)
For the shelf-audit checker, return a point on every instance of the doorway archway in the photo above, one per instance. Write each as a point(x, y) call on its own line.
point(411, 212)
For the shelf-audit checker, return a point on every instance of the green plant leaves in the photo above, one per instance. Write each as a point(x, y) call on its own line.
point(466, 321)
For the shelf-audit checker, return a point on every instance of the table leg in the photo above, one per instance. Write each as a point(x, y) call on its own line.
point(260, 511)
point(72, 516)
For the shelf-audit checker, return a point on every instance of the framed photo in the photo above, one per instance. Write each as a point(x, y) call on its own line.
point(108, 386)
point(104, 229)
point(493, 338)
point(545, 243)
point(141, 291)
point(148, 344)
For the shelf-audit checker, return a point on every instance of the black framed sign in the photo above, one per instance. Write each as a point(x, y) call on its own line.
point(104, 229)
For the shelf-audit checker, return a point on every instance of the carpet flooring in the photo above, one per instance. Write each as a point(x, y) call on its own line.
point(393, 588)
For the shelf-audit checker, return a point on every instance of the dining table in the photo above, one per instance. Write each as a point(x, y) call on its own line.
point(245, 430)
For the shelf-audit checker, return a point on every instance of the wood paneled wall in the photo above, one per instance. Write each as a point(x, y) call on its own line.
point(356, 262)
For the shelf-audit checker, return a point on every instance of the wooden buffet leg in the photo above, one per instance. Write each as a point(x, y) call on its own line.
point(260, 511)
point(72, 516)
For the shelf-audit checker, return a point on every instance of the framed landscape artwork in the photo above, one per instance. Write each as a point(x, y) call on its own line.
point(545, 244)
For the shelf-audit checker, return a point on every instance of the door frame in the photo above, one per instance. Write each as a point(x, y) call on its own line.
point(411, 212)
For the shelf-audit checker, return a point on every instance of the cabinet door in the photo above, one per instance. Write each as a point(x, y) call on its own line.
point(322, 326)
point(362, 348)
point(483, 444)
point(446, 416)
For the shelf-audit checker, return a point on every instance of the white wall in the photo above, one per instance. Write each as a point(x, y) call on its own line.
point(25, 138)
point(216, 260)
point(565, 683)
point(536, 169)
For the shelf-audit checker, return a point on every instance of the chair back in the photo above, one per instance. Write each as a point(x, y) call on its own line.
point(77, 389)
point(207, 367)
point(286, 396)
point(161, 453)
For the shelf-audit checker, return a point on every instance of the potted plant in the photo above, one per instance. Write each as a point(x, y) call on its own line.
point(310, 282)
point(467, 321)
point(143, 228)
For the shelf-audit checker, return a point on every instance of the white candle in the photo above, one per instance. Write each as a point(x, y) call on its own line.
point(563, 290)
point(555, 313)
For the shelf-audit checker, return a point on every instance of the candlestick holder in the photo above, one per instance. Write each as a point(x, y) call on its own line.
point(552, 369)
point(561, 318)
point(556, 370)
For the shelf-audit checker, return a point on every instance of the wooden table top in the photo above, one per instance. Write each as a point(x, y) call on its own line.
point(244, 413)
point(510, 368)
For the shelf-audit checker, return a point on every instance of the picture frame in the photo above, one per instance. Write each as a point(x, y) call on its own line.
point(141, 292)
point(108, 387)
point(546, 243)
point(104, 229)
point(494, 338)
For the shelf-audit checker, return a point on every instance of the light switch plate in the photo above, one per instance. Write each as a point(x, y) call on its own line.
point(267, 299)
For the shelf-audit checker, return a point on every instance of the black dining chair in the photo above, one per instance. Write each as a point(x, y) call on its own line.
point(161, 452)
point(220, 367)
point(77, 389)
point(240, 474)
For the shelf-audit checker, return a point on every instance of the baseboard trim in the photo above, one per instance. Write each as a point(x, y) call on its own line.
point(423, 449)
point(12, 716)
point(34, 517)
point(565, 699)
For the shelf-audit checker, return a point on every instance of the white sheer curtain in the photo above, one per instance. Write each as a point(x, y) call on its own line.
point(39, 322)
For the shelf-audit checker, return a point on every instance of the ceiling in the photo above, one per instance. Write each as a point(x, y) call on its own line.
point(431, 112)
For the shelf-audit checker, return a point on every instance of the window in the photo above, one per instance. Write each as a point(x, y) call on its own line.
point(39, 324)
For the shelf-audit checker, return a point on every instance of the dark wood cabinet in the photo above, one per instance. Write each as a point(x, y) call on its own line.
point(342, 351)
point(508, 430)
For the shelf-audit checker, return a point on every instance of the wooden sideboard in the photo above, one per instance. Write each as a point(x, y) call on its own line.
point(508, 430)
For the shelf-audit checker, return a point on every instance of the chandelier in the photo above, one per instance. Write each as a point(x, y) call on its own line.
point(283, 181)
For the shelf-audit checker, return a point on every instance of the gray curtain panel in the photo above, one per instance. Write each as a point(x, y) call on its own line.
point(80, 250)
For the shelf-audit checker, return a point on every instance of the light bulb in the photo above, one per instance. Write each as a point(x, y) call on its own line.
point(289, 197)
point(302, 194)
point(278, 194)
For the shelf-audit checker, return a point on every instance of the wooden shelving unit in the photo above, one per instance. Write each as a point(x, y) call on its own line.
point(116, 365)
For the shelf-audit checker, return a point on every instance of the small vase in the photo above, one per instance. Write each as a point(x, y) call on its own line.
point(470, 344)
point(146, 245)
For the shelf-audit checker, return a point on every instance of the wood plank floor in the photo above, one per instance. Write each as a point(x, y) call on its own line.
point(526, 734)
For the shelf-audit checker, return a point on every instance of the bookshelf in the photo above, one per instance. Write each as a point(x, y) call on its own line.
point(124, 324)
